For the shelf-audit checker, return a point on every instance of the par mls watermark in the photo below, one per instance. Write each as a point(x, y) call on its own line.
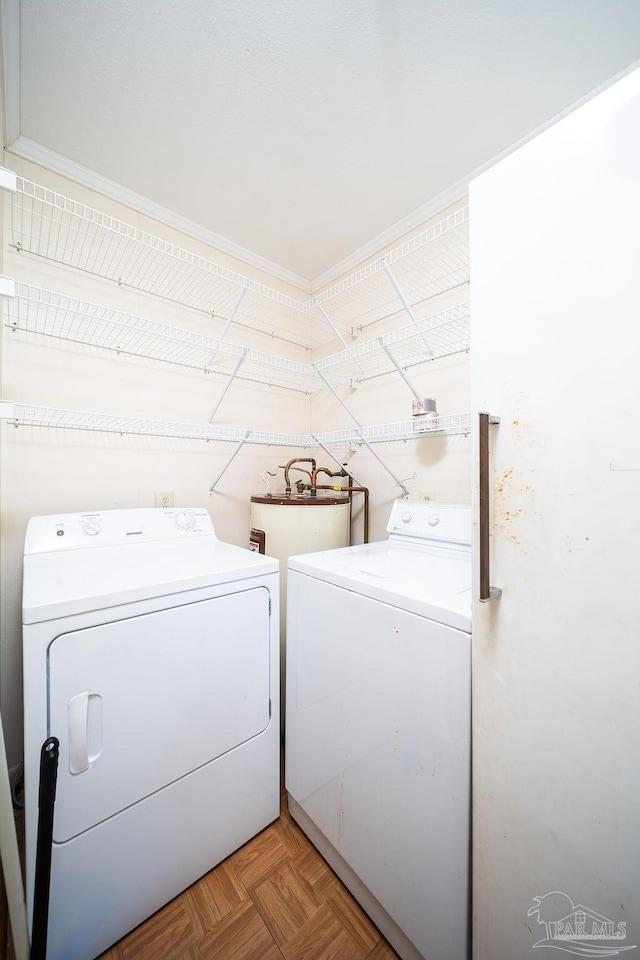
point(577, 929)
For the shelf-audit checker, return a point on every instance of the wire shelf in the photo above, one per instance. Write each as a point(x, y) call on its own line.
point(440, 335)
point(435, 261)
point(406, 279)
point(50, 225)
point(57, 228)
point(43, 312)
point(22, 414)
point(447, 425)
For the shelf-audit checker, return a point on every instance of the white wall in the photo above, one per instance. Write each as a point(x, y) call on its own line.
point(53, 471)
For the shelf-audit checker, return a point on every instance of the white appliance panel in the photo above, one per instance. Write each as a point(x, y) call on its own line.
point(429, 579)
point(109, 879)
point(123, 695)
point(424, 520)
point(100, 528)
point(164, 652)
point(555, 265)
point(378, 717)
point(67, 582)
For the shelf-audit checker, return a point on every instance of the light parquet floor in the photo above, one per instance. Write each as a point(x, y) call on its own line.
point(273, 899)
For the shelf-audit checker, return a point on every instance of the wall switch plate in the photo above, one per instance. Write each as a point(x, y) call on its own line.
point(427, 495)
point(164, 498)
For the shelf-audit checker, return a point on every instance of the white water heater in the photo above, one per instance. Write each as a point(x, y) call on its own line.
point(285, 526)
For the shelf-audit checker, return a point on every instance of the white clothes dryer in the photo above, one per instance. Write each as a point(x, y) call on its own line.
point(377, 761)
point(151, 653)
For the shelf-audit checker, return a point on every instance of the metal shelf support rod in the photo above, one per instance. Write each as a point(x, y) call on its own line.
point(336, 395)
point(228, 323)
point(229, 462)
point(336, 460)
point(332, 325)
point(338, 335)
point(405, 302)
point(399, 482)
point(361, 439)
point(230, 381)
point(398, 368)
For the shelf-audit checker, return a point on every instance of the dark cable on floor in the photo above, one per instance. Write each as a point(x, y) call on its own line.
point(17, 787)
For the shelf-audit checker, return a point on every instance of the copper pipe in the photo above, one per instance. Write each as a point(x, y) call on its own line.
point(302, 470)
point(350, 490)
point(288, 465)
point(338, 473)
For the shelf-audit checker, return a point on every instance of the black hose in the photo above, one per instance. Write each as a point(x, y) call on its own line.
point(46, 801)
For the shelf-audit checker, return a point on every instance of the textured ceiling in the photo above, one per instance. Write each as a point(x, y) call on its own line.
point(301, 129)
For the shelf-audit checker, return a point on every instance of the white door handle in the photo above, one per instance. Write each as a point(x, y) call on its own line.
point(78, 733)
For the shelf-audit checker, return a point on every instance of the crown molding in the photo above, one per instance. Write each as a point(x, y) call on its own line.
point(456, 192)
point(34, 152)
point(30, 150)
point(413, 221)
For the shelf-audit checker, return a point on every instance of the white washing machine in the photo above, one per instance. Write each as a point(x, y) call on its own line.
point(378, 722)
point(151, 653)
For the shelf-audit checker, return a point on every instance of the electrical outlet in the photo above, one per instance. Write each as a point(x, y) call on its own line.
point(164, 498)
point(427, 495)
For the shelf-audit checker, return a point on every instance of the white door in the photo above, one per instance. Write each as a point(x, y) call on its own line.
point(141, 702)
point(556, 674)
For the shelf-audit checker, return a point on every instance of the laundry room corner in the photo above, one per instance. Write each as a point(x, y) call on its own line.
point(318, 479)
point(48, 469)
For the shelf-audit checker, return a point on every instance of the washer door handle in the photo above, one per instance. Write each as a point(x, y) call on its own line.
point(78, 733)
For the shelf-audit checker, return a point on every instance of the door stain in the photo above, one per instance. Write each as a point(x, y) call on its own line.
point(509, 503)
point(504, 481)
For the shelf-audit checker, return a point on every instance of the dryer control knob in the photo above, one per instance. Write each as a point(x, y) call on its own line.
point(434, 521)
point(406, 517)
point(185, 520)
point(91, 528)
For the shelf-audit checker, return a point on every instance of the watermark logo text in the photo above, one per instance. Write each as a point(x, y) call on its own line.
point(577, 929)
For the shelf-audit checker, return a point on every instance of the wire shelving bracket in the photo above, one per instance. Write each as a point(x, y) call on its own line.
point(232, 377)
point(229, 462)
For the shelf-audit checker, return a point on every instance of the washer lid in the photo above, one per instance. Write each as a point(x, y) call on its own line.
point(68, 582)
point(432, 580)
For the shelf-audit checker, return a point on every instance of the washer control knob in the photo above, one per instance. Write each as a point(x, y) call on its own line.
point(185, 520)
point(434, 521)
point(91, 528)
point(406, 517)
